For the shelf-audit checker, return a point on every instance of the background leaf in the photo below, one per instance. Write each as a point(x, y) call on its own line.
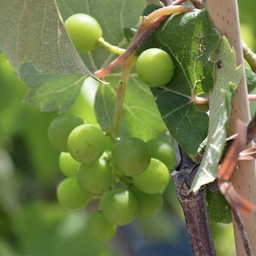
point(141, 117)
point(228, 75)
point(218, 208)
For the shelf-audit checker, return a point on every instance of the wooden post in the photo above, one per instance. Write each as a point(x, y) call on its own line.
point(225, 18)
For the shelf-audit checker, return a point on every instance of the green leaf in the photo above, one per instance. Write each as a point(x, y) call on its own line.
point(191, 40)
point(228, 75)
point(50, 91)
point(141, 117)
point(218, 208)
point(250, 79)
point(33, 32)
point(185, 122)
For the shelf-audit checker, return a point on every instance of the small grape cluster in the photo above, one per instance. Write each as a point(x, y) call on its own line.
point(128, 177)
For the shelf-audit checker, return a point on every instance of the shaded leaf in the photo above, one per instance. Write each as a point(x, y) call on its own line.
point(218, 208)
point(190, 39)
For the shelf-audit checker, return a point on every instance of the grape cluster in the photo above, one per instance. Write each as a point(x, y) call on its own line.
point(128, 180)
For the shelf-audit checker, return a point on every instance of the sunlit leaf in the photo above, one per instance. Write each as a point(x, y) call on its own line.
point(228, 75)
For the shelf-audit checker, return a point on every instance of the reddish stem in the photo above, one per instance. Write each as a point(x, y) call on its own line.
point(149, 24)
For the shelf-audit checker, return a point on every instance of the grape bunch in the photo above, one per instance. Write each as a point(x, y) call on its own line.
point(127, 178)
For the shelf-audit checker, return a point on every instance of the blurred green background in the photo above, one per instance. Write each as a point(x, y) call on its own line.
point(31, 220)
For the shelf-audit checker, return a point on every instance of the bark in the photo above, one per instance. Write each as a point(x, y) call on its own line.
point(194, 207)
point(224, 15)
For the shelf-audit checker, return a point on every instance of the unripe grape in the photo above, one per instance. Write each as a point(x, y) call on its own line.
point(154, 179)
point(68, 165)
point(119, 206)
point(130, 156)
point(163, 150)
point(100, 228)
point(86, 143)
point(95, 178)
point(84, 31)
point(60, 128)
point(71, 196)
point(149, 204)
point(155, 67)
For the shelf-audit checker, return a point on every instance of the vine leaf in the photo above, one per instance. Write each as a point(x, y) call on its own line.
point(34, 33)
point(228, 75)
point(33, 37)
point(191, 40)
point(141, 117)
point(50, 91)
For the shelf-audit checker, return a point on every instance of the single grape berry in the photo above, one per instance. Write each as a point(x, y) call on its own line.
point(130, 156)
point(86, 143)
point(71, 196)
point(60, 128)
point(163, 150)
point(155, 67)
point(154, 179)
point(148, 204)
point(119, 206)
point(68, 165)
point(84, 31)
point(95, 178)
point(100, 228)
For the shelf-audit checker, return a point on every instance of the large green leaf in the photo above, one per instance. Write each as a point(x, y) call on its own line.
point(33, 37)
point(228, 75)
point(33, 32)
point(191, 40)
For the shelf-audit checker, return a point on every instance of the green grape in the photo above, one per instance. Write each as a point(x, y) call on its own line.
point(153, 180)
point(95, 178)
point(163, 150)
point(130, 156)
point(155, 67)
point(60, 128)
point(86, 143)
point(119, 206)
point(100, 228)
point(68, 165)
point(84, 31)
point(71, 196)
point(149, 204)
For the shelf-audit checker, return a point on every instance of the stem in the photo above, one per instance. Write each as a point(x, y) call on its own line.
point(128, 64)
point(109, 47)
point(242, 231)
point(224, 15)
point(149, 24)
point(252, 97)
point(194, 207)
point(250, 56)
